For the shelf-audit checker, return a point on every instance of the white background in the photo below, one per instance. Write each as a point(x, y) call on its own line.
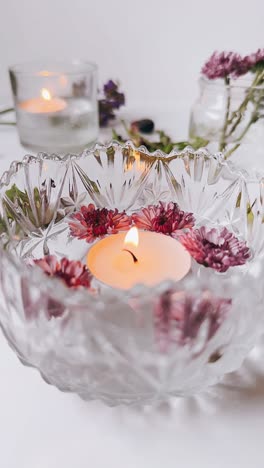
point(156, 48)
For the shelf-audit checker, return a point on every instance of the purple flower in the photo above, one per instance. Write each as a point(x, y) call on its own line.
point(231, 64)
point(180, 316)
point(110, 87)
point(166, 218)
point(256, 60)
point(221, 65)
point(90, 223)
point(259, 56)
point(111, 100)
point(215, 248)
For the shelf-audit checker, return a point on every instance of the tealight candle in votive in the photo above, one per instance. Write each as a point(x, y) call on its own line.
point(124, 260)
point(43, 104)
point(56, 105)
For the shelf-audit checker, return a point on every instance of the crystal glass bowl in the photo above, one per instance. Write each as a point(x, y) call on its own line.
point(144, 344)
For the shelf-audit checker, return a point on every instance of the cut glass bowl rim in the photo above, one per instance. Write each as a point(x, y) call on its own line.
point(233, 169)
point(72, 297)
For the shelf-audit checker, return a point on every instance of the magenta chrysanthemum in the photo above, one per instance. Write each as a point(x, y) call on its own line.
point(72, 273)
point(163, 218)
point(91, 222)
point(179, 317)
point(215, 248)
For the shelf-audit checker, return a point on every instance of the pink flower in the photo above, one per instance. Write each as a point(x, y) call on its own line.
point(249, 63)
point(222, 64)
point(163, 218)
point(179, 317)
point(73, 273)
point(256, 59)
point(215, 248)
point(230, 64)
point(90, 222)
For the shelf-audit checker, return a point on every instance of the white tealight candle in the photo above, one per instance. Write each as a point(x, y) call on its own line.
point(124, 260)
point(43, 104)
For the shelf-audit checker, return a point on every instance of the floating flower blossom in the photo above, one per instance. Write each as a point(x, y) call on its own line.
point(166, 218)
point(73, 273)
point(179, 317)
point(90, 222)
point(215, 248)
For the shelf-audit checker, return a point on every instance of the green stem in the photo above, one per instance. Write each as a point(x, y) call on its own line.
point(259, 77)
point(231, 151)
point(222, 143)
point(254, 119)
point(3, 122)
point(123, 122)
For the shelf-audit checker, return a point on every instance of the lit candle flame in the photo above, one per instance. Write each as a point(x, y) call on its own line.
point(44, 73)
point(45, 94)
point(132, 237)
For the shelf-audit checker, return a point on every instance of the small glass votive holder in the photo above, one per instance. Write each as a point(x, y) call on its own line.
point(56, 105)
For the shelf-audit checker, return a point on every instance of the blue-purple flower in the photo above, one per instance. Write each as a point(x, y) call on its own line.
point(112, 100)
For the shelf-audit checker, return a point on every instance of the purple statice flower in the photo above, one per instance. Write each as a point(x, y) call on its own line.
point(215, 248)
point(165, 218)
point(112, 100)
point(179, 317)
point(90, 222)
point(110, 88)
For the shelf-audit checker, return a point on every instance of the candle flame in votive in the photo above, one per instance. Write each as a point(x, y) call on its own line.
point(45, 94)
point(132, 237)
point(44, 73)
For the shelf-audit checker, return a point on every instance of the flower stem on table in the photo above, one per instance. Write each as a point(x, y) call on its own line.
point(230, 65)
point(163, 142)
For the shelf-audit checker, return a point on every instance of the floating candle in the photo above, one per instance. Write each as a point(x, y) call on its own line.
point(43, 104)
point(124, 260)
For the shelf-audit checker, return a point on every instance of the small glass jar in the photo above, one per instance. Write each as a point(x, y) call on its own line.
point(56, 105)
point(229, 116)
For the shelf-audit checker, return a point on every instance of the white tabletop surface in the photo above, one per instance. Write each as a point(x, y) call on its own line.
point(41, 427)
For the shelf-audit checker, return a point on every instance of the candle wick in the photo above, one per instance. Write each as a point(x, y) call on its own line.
point(131, 253)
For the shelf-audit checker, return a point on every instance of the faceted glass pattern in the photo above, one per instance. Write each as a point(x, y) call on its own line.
point(103, 345)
